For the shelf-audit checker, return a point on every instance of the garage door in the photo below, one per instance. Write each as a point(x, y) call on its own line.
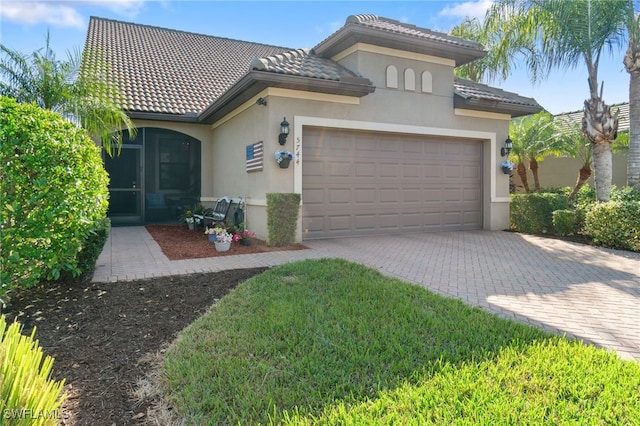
point(366, 183)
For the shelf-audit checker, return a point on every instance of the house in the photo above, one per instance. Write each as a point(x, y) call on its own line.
point(386, 139)
point(557, 172)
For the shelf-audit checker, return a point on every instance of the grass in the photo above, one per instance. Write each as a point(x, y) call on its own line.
point(332, 342)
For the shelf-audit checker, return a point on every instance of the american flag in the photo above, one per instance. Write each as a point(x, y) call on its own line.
point(255, 157)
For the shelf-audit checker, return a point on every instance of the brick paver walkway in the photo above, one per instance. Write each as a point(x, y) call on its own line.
point(583, 291)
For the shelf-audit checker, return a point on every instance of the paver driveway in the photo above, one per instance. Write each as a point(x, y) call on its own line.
point(588, 292)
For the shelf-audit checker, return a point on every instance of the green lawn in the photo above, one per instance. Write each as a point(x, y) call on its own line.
point(332, 342)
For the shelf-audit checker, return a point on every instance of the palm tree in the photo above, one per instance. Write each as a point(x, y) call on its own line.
point(632, 65)
point(559, 34)
point(533, 140)
point(70, 88)
point(573, 143)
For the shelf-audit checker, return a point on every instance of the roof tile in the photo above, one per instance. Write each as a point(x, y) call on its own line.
point(468, 89)
point(164, 70)
point(302, 63)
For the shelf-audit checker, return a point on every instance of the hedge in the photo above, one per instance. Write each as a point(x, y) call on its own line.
point(533, 213)
point(615, 224)
point(53, 194)
point(282, 217)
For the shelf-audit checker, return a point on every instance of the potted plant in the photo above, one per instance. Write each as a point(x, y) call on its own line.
point(283, 158)
point(188, 218)
point(245, 237)
point(220, 238)
point(507, 167)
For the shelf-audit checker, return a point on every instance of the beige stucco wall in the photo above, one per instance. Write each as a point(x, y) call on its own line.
point(394, 110)
point(561, 172)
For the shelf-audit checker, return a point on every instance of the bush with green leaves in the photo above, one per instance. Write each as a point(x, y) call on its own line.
point(533, 213)
point(53, 194)
point(626, 193)
point(565, 222)
point(615, 224)
point(282, 217)
point(28, 395)
point(93, 245)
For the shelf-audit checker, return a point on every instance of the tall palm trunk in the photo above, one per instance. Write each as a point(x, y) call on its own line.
point(632, 64)
point(533, 166)
point(601, 128)
point(522, 172)
point(583, 176)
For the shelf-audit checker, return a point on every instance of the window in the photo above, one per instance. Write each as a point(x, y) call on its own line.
point(427, 82)
point(409, 80)
point(174, 164)
point(392, 77)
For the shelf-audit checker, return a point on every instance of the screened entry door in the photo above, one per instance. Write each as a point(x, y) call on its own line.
point(125, 186)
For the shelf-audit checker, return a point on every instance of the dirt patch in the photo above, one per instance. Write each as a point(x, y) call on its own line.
point(178, 242)
point(103, 335)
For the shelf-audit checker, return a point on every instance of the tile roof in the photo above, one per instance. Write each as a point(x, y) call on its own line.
point(488, 97)
point(394, 26)
point(574, 119)
point(168, 71)
point(302, 62)
point(385, 32)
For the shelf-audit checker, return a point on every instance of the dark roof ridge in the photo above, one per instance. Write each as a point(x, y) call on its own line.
point(173, 30)
point(364, 18)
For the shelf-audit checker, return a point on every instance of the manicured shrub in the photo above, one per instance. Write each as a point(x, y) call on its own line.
point(53, 192)
point(282, 218)
point(626, 193)
point(533, 213)
point(28, 395)
point(565, 222)
point(93, 245)
point(615, 224)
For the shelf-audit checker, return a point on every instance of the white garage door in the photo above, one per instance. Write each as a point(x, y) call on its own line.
point(367, 183)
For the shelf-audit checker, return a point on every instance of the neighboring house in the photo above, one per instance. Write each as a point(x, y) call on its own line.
point(386, 139)
point(563, 171)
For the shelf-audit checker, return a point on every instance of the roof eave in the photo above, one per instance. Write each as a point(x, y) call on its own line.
point(160, 116)
point(351, 34)
point(513, 109)
point(255, 81)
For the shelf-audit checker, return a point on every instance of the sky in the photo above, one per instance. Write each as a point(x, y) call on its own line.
point(295, 24)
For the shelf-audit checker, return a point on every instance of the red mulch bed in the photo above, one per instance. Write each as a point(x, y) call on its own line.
point(178, 242)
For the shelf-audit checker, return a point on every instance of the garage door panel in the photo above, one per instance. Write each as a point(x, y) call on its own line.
point(339, 196)
point(314, 196)
point(366, 170)
point(365, 222)
point(313, 168)
point(388, 196)
point(381, 183)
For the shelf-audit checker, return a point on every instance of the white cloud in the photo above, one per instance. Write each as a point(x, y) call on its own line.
point(63, 13)
point(39, 12)
point(128, 8)
point(472, 9)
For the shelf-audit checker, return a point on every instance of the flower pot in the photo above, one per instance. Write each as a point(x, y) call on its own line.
point(284, 163)
point(245, 242)
point(212, 238)
point(222, 246)
point(192, 226)
point(506, 170)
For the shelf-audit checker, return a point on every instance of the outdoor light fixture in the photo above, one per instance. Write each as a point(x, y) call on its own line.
point(284, 131)
point(506, 149)
point(261, 101)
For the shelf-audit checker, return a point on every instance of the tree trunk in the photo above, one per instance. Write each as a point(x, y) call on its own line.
point(603, 167)
point(601, 128)
point(583, 176)
point(533, 166)
point(522, 172)
point(632, 64)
